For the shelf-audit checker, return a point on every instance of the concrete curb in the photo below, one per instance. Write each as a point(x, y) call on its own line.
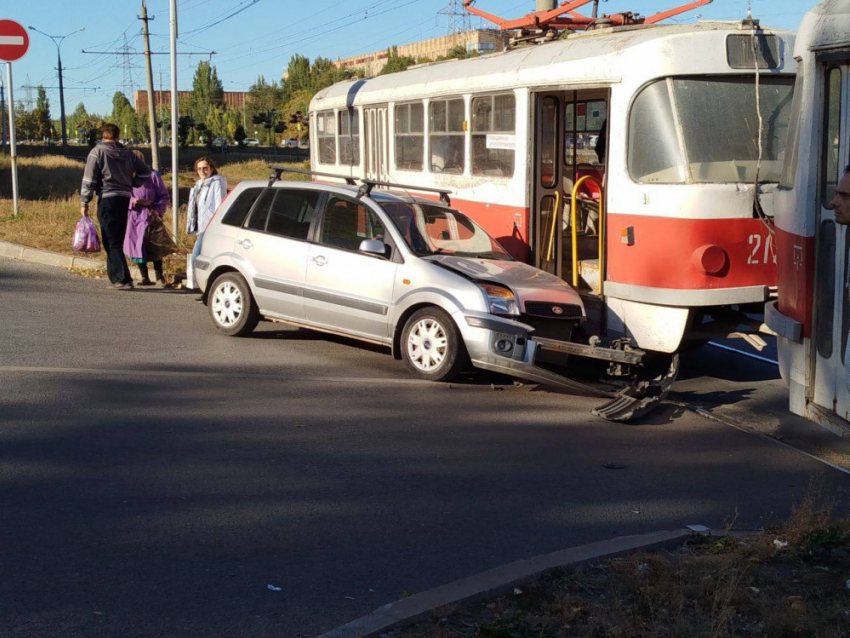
point(500, 580)
point(48, 257)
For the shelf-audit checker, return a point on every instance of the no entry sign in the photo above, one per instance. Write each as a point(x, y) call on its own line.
point(14, 40)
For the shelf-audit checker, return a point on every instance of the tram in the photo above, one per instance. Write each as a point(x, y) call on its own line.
point(626, 160)
point(812, 314)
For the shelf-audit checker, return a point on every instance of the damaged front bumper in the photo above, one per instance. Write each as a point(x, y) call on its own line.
point(510, 347)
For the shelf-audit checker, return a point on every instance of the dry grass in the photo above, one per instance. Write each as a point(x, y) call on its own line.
point(49, 205)
point(708, 587)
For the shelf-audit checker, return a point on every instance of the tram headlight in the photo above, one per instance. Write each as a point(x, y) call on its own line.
point(501, 300)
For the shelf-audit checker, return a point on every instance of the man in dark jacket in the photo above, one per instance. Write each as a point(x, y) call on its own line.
point(112, 171)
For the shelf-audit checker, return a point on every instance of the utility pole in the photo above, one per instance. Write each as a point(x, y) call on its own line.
point(2, 113)
point(149, 73)
point(175, 188)
point(57, 40)
point(159, 104)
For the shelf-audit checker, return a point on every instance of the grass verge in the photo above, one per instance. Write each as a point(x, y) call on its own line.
point(49, 205)
point(781, 583)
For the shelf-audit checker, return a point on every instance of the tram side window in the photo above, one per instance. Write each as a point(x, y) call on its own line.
point(349, 138)
point(447, 136)
point(325, 135)
point(493, 135)
point(409, 136)
point(583, 122)
point(832, 133)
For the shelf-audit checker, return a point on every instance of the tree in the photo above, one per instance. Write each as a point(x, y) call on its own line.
point(298, 76)
point(263, 97)
point(239, 135)
point(396, 62)
point(44, 124)
point(207, 92)
point(77, 119)
point(185, 124)
point(25, 122)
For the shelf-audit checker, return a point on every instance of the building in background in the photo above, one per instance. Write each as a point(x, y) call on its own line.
point(482, 41)
point(232, 99)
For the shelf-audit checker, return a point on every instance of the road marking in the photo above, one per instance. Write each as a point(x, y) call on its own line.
point(744, 354)
point(12, 40)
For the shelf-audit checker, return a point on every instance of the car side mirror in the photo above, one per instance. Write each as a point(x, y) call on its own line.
point(373, 247)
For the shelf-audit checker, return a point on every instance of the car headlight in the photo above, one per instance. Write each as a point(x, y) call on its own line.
point(501, 300)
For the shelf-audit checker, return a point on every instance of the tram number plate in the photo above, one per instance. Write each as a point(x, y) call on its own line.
point(761, 250)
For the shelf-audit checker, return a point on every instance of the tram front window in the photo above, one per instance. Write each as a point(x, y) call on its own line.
point(719, 124)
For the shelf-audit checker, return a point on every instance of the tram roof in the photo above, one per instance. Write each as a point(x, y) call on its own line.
point(825, 26)
point(615, 53)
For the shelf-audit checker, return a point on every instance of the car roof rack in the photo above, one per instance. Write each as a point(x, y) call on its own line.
point(366, 185)
point(275, 172)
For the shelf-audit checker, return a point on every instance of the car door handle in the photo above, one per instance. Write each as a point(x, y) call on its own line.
point(246, 243)
point(320, 260)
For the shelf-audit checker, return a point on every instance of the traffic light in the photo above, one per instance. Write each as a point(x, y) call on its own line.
point(259, 119)
point(293, 118)
point(280, 127)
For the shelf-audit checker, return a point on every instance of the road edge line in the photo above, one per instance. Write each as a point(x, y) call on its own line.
point(20, 252)
point(500, 580)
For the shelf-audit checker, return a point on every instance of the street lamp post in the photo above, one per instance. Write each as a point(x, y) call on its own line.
point(57, 40)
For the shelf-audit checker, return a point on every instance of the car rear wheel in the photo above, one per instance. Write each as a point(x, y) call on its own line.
point(432, 347)
point(232, 307)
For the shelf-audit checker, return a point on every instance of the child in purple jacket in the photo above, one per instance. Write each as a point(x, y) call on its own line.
point(149, 199)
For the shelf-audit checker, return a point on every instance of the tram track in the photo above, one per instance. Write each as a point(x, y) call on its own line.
point(749, 355)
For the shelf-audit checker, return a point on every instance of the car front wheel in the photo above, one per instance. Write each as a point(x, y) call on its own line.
point(432, 347)
point(232, 307)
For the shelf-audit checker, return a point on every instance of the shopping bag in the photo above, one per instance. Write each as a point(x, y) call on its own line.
point(158, 241)
point(85, 236)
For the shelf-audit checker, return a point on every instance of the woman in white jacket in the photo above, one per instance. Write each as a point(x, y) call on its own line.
point(204, 198)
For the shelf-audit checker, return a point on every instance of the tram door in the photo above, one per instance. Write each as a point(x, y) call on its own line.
point(570, 145)
point(832, 288)
point(548, 193)
point(377, 143)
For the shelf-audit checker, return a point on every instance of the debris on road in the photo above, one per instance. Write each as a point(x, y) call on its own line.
point(271, 587)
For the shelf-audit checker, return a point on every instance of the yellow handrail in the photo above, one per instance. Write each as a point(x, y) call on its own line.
point(573, 229)
point(556, 215)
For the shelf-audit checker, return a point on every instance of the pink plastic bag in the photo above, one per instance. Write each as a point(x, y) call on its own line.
point(85, 236)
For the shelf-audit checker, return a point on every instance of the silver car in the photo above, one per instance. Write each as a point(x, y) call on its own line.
point(407, 272)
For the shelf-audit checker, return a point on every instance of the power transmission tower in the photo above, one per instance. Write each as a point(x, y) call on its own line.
point(128, 84)
point(459, 19)
point(28, 94)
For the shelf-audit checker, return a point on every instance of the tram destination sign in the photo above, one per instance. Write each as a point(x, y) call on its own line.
point(14, 41)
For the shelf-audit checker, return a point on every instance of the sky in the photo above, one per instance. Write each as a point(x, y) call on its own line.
point(258, 37)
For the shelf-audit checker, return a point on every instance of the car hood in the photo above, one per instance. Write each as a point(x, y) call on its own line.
point(527, 282)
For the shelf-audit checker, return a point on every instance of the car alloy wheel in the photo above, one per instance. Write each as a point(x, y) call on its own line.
point(227, 304)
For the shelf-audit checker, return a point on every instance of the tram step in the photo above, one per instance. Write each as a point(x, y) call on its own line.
point(588, 270)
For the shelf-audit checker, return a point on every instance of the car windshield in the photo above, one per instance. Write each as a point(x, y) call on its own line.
point(436, 230)
point(705, 130)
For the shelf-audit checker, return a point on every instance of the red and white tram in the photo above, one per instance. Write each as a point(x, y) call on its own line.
point(812, 313)
point(649, 132)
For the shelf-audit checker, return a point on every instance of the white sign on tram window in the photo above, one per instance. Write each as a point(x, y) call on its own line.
point(321, 125)
point(501, 142)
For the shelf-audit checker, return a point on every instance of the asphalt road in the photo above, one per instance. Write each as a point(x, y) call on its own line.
point(155, 477)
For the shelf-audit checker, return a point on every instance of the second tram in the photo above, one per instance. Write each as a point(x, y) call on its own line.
point(812, 313)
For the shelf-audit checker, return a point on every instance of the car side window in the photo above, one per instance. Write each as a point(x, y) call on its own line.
point(261, 210)
point(346, 223)
point(238, 211)
point(292, 213)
